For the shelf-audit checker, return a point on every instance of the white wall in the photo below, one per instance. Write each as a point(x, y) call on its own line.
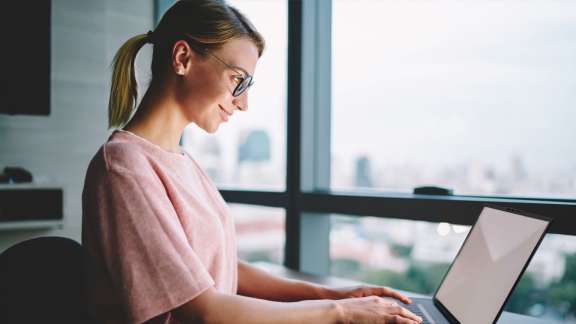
point(58, 148)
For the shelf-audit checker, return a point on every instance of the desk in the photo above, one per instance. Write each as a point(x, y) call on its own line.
point(505, 318)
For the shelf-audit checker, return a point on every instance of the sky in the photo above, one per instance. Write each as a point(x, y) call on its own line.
point(462, 78)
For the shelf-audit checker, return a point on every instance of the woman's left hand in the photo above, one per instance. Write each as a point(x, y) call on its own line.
point(364, 291)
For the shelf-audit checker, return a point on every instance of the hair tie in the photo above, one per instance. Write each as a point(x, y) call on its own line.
point(150, 37)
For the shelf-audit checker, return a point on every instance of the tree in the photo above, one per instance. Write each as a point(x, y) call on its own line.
point(562, 294)
point(524, 296)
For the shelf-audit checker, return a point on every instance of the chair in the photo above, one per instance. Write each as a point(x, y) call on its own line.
point(41, 282)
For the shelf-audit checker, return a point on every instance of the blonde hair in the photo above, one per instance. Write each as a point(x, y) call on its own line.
point(209, 23)
point(124, 88)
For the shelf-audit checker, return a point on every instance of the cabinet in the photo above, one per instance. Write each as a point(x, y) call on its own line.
point(27, 206)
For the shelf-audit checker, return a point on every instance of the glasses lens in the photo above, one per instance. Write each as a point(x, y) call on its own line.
point(242, 86)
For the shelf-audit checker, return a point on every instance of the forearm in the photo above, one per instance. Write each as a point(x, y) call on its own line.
point(250, 310)
point(217, 308)
point(254, 282)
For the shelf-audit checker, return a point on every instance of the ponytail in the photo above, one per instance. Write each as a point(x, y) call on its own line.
point(124, 89)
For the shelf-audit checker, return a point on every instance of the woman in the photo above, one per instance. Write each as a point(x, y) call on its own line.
point(159, 238)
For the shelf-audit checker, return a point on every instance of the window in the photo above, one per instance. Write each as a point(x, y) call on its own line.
point(473, 96)
point(259, 233)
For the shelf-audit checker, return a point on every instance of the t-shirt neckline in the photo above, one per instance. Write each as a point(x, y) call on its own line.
point(179, 152)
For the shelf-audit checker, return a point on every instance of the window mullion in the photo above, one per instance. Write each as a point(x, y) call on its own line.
point(315, 132)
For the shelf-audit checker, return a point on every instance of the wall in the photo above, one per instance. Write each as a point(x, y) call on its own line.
point(58, 148)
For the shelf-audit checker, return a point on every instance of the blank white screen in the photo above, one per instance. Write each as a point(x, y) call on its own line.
point(489, 264)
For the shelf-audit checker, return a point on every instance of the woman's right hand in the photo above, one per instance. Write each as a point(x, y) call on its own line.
point(374, 310)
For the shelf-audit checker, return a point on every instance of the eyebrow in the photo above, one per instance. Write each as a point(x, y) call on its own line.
point(235, 67)
point(241, 69)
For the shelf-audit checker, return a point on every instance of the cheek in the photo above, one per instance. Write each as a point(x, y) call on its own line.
point(195, 95)
point(209, 90)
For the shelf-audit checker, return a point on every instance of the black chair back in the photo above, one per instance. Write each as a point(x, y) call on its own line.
point(41, 282)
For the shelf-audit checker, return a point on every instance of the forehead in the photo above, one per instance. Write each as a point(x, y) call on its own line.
point(240, 52)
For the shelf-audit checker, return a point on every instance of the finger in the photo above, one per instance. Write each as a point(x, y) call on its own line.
point(408, 314)
point(395, 309)
point(397, 319)
point(393, 293)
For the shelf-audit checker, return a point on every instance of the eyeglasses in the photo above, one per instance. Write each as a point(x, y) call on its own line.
point(244, 79)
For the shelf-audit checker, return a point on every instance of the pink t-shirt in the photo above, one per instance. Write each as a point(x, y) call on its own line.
point(156, 232)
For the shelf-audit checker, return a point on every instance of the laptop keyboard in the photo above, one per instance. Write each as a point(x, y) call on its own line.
point(416, 310)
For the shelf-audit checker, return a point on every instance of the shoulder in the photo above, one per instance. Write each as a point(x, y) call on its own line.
point(119, 157)
point(124, 156)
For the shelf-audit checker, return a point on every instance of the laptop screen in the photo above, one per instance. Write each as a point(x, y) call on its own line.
point(489, 264)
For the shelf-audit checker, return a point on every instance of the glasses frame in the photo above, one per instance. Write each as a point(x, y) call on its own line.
point(246, 80)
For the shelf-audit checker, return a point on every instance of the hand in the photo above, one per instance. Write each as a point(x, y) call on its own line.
point(374, 310)
point(364, 291)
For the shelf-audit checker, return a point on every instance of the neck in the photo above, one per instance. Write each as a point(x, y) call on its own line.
point(158, 119)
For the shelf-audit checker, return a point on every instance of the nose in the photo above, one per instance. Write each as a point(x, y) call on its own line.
point(241, 102)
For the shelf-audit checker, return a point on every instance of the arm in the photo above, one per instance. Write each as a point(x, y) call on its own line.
point(213, 307)
point(258, 283)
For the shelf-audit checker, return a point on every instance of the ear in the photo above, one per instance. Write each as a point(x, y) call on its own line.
point(182, 57)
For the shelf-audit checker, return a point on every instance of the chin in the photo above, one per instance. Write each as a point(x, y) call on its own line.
point(210, 126)
point(211, 129)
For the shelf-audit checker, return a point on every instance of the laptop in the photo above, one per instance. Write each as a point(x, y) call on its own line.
point(488, 266)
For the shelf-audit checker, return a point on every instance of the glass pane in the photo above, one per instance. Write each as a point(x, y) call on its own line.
point(260, 233)
point(477, 96)
point(414, 256)
point(248, 151)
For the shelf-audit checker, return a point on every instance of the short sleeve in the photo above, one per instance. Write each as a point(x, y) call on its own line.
point(143, 245)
